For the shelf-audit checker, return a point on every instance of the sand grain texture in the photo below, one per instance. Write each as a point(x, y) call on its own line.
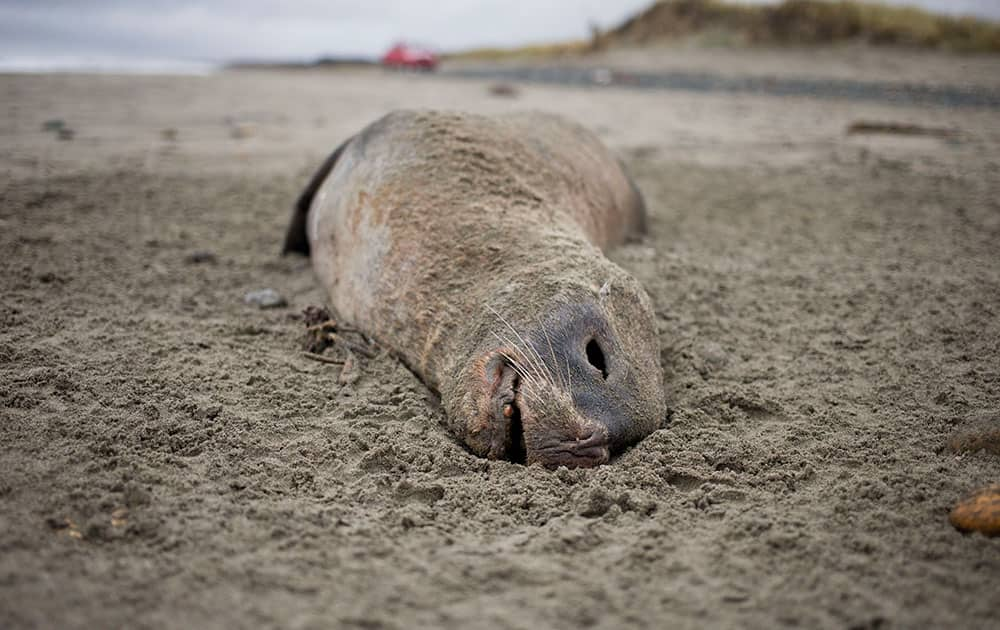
point(830, 320)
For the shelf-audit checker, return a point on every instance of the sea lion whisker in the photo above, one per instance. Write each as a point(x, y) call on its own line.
point(550, 377)
point(528, 377)
point(531, 395)
point(528, 382)
point(525, 374)
point(533, 351)
point(527, 346)
point(548, 340)
point(528, 391)
point(522, 347)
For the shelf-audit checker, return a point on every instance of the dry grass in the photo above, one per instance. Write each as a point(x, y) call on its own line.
point(536, 50)
point(793, 22)
point(806, 22)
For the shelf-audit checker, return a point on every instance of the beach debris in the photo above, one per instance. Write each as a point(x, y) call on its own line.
point(242, 130)
point(323, 331)
point(58, 126)
point(322, 358)
point(868, 127)
point(979, 512)
point(119, 517)
point(169, 134)
point(202, 256)
point(50, 277)
point(980, 434)
point(348, 375)
point(265, 298)
point(503, 90)
point(65, 526)
point(319, 326)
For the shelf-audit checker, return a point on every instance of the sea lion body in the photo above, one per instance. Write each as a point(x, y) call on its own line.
point(472, 247)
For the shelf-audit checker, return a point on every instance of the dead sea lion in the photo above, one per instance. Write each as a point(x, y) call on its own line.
point(472, 246)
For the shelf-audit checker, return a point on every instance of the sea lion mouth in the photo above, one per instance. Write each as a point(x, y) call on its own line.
point(586, 452)
point(565, 442)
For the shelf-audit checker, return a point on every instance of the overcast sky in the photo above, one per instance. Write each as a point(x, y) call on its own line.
point(218, 30)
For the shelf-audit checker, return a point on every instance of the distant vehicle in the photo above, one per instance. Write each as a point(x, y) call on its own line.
point(409, 56)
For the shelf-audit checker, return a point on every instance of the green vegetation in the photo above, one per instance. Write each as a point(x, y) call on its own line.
point(807, 22)
point(793, 22)
point(538, 50)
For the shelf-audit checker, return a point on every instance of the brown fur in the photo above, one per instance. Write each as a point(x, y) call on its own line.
point(457, 240)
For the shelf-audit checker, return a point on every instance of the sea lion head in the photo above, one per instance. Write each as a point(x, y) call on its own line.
point(573, 387)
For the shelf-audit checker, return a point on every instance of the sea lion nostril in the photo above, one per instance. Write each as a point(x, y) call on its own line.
point(595, 356)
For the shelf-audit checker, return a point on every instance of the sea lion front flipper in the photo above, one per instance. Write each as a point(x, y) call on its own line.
point(296, 238)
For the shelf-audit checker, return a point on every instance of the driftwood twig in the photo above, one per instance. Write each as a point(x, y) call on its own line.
point(364, 351)
point(321, 358)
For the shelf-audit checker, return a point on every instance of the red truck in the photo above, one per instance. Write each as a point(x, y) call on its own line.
point(409, 56)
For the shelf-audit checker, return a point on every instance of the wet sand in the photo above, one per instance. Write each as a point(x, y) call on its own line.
point(828, 308)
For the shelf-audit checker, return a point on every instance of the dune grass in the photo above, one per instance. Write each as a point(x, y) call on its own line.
point(793, 22)
point(559, 49)
point(806, 22)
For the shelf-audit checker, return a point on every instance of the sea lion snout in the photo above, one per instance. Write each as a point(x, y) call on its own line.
point(527, 416)
point(569, 390)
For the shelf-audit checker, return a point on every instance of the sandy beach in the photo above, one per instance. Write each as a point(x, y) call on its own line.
point(829, 323)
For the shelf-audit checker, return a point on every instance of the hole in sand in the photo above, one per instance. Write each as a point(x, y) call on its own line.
point(596, 357)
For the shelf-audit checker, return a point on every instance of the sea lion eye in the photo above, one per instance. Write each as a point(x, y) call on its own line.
point(595, 356)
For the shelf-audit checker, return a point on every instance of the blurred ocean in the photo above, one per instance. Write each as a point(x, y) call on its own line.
point(86, 64)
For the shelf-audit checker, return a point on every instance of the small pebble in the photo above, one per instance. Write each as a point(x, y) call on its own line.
point(241, 131)
point(507, 90)
point(201, 256)
point(979, 512)
point(65, 134)
point(265, 298)
point(169, 134)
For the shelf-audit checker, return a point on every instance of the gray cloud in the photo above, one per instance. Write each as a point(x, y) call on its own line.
point(222, 29)
point(261, 29)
